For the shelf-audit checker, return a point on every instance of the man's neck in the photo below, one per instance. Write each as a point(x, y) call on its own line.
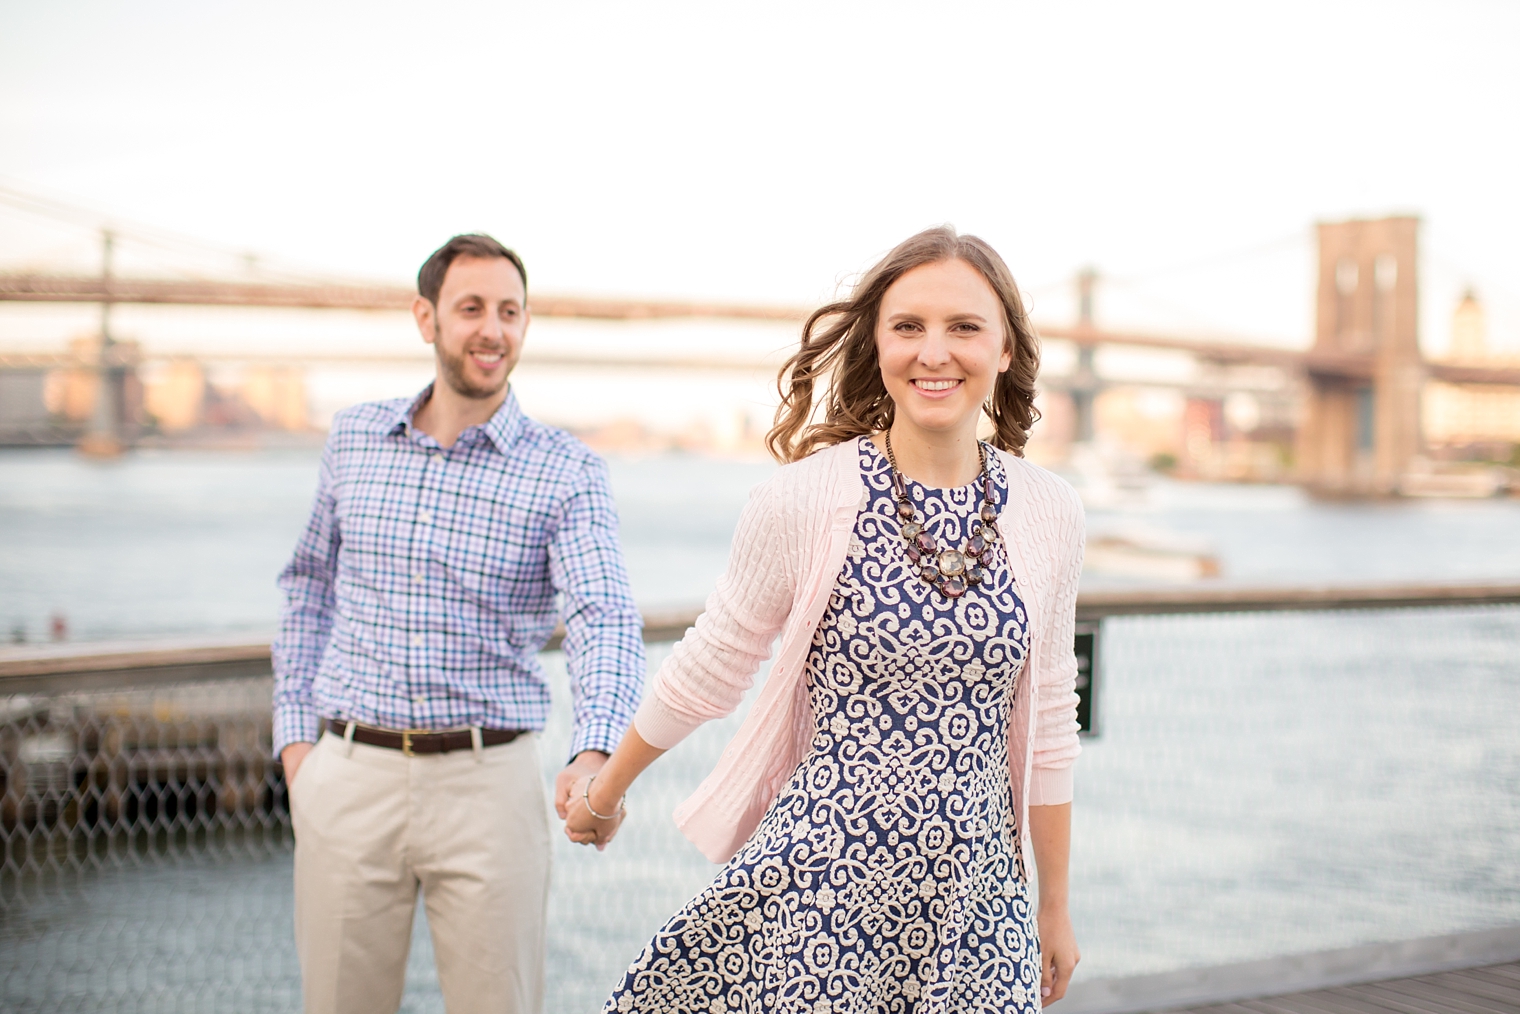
point(447, 413)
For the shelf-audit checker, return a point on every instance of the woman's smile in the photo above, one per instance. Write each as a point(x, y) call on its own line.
point(934, 386)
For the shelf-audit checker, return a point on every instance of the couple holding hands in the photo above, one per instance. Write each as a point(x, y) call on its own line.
point(911, 748)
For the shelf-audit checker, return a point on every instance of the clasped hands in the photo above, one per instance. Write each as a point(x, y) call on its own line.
point(570, 789)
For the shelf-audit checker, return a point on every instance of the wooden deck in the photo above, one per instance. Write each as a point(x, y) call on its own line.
point(1473, 972)
point(1494, 989)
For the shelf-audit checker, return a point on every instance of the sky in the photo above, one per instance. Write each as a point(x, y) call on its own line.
point(770, 152)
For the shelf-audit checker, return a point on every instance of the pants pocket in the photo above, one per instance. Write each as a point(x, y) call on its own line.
point(298, 788)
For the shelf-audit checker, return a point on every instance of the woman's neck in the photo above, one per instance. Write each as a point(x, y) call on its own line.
point(939, 460)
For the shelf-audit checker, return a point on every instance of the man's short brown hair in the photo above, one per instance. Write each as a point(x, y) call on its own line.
point(473, 244)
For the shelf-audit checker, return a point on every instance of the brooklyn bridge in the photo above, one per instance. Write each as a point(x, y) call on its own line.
point(1353, 398)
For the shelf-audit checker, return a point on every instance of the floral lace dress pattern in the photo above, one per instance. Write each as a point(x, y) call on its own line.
point(886, 876)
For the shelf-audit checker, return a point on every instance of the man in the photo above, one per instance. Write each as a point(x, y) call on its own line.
point(407, 686)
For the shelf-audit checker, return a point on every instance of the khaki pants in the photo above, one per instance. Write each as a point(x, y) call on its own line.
point(471, 830)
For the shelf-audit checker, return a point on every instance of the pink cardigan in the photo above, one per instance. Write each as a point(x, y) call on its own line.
point(787, 552)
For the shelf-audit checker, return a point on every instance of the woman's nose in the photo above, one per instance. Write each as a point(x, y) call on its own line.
point(935, 349)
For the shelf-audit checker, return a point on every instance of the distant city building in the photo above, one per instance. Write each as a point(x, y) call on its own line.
point(1472, 417)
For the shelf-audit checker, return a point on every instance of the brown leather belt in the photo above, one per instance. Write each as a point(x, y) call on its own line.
point(411, 742)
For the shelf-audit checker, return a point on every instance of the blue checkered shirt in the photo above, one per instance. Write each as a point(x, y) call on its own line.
point(428, 579)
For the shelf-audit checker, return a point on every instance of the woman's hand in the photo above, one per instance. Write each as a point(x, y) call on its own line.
point(583, 827)
point(1058, 953)
point(606, 784)
point(1050, 832)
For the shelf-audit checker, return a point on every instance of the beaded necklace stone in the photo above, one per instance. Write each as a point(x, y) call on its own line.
point(949, 571)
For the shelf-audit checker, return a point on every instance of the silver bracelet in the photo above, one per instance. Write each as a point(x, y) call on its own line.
point(586, 798)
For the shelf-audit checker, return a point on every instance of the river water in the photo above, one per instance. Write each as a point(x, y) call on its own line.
point(1262, 785)
point(189, 542)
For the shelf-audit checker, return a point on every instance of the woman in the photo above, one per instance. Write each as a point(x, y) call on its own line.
point(919, 724)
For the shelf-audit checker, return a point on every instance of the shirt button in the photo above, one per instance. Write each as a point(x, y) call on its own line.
point(417, 578)
point(419, 700)
point(437, 459)
point(417, 640)
point(424, 517)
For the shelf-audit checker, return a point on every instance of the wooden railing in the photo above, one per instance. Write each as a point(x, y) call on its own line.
point(63, 667)
point(1204, 598)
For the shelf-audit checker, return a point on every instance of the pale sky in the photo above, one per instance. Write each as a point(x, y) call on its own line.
point(767, 152)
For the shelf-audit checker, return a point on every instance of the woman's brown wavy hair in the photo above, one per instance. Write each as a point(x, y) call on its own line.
point(839, 349)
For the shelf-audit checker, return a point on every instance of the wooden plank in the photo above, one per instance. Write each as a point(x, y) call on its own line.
point(71, 667)
point(1450, 999)
point(1492, 989)
point(1408, 997)
point(1327, 1002)
point(52, 660)
point(1293, 1004)
point(61, 667)
point(1502, 974)
point(27, 669)
point(1497, 976)
point(1466, 982)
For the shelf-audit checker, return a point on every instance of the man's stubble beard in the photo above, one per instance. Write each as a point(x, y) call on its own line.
point(452, 371)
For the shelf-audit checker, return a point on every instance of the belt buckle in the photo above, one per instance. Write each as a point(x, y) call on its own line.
point(406, 743)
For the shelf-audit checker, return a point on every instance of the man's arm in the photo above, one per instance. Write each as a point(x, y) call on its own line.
point(305, 623)
point(604, 644)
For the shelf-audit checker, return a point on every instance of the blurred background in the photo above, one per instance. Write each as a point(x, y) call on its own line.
point(1270, 250)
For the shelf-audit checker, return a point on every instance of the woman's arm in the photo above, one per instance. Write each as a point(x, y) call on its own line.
point(1055, 747)
point(1050, 830)
point(706, 674)
point(605, 791)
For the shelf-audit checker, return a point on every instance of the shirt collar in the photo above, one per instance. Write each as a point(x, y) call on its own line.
point(502, 429)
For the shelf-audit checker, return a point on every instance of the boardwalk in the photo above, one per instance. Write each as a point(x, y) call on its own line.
point(1475, 972)
point(1494, 989)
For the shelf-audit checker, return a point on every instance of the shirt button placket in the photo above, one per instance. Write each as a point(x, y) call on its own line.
point(418, 653)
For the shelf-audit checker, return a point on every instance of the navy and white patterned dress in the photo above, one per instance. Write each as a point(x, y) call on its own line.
point(886, 876)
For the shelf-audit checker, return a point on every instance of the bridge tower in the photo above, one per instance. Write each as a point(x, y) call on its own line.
point(103, 439)
point(1361, 429)
point(1084, 383)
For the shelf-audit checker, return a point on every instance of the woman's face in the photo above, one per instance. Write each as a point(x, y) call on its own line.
point(941, 343)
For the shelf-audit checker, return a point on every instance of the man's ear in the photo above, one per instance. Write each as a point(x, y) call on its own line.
point(426, 316)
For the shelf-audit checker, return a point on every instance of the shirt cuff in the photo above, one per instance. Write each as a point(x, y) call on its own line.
point(601, 736)
point(1051, 786)
point(295, 723)
point(659, 726)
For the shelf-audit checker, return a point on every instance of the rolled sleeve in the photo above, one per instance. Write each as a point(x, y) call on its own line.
point(604, 644)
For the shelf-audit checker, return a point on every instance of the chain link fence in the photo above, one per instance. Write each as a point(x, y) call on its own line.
point(1263, 784)
point(145, 833)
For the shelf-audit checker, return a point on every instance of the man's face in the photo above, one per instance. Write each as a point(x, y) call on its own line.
point(477, 327)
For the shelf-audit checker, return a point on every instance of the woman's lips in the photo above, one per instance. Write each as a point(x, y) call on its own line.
point(935, 387)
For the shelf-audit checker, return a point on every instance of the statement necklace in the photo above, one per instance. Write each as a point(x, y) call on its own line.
point(950, 571)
